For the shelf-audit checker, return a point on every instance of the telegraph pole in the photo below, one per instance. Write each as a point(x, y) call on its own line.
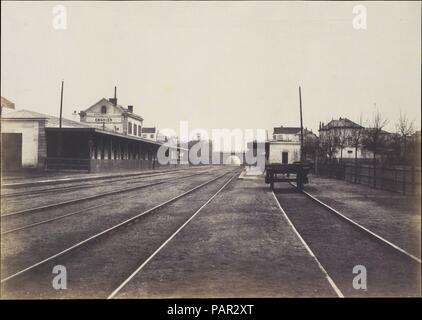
point(301, 125)
point(61, 106)
point(59, 146)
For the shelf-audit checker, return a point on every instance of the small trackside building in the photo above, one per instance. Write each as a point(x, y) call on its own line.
point(284, 147)
point(24, 138)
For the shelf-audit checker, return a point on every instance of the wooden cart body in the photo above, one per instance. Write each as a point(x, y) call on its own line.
point(277, 172)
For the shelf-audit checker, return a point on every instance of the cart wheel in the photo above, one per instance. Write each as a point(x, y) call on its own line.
point(299, 184)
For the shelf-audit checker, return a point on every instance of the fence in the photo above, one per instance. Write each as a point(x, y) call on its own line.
point(404, 179)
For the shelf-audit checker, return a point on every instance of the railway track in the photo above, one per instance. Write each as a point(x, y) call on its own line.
point(79, 186)
point(31, 210)
point(339, 244)
point(22, 226)
point(65, 180)
point(174, 215)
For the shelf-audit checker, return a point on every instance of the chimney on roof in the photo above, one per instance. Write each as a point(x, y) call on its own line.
point(130, 109)
point(114, 100)
point(75, 116)
point(320, 125)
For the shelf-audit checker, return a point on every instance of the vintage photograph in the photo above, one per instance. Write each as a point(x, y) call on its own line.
point(210, 149)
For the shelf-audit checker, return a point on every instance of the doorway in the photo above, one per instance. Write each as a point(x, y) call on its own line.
point(11, 151)
point(284, 157)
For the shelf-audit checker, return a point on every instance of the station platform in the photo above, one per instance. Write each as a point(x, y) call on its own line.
point(393, 216)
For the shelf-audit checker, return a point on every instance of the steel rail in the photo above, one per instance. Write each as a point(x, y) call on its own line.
point(359, 226)
point(311, 253)
point(92, 207)
point(72, 201)
point(110, 229)
point(84, 185)
point(134, 273)
point(93, 178)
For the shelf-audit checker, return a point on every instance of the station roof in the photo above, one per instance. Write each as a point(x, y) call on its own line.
point(112, 133)
point(52, 121)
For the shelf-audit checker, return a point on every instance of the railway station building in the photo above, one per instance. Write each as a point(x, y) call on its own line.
point(108, 138)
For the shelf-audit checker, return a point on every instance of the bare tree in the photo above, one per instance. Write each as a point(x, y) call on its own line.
point(374, 137)
point(327, 144)
point(405, 128)
point(356, 136)
point(341, 138)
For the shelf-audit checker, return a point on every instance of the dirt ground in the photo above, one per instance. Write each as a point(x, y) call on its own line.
point(394, 216)
point(240, 245)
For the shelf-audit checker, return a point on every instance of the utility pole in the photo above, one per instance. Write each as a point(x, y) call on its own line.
point(301, 125)
point(59, 146)
point(61, 106)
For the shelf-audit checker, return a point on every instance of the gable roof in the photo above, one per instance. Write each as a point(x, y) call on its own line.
point(340, 123)
point(52, 121)
point(107, 102)
point(122, 109)
point(286, 130)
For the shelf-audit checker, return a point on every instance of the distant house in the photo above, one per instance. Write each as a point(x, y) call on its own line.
point(284, 147)
point(340, 135)
point(108, 115)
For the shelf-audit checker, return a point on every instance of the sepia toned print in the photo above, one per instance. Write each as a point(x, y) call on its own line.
point(210, 150)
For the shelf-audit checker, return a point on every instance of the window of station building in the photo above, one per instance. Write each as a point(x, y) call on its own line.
point(151, 136)
point(135, 130)
point(129, 127)
point(103, 109)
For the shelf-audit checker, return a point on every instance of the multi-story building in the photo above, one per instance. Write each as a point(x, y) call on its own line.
point(339, 138)
point(108, 115)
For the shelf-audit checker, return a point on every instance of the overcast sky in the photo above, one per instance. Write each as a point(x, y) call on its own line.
point(218, 64)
